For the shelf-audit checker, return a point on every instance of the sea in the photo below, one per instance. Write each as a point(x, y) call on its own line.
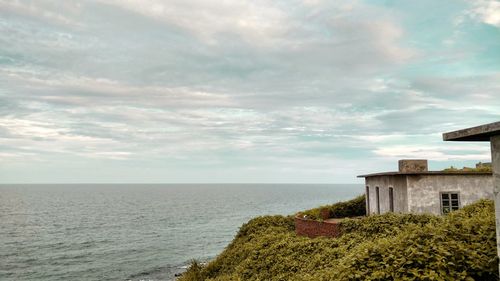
point(135, 231)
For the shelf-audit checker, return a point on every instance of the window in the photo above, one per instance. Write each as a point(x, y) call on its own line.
point(377, 195)
point(450, 201)
point(391, 199)
point(367, 200)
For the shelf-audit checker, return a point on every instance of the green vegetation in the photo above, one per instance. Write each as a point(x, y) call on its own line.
point(458, 246)
point(352, 208)
point(480, 168)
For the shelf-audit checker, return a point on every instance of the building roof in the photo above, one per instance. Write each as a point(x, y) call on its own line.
point(479, 133)
point(446, 173)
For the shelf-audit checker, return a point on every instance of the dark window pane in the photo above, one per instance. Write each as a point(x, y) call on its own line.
point(367, 200)
point(454, 196)
point(446, 203)
point(454, 202)
point(445, 196)
point(454, 207)
point(391, 199)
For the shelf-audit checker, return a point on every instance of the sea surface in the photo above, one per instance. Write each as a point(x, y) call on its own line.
point(135, 231)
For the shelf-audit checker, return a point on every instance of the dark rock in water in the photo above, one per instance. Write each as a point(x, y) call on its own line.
point(178, 275)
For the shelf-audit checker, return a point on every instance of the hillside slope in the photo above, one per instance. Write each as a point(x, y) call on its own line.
point(459, 246)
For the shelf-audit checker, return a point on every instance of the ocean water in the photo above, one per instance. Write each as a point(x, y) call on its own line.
point(135, 231)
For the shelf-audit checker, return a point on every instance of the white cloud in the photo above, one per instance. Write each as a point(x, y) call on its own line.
point(100, 88)
point(438, 153)
point(257, 22)
point(53, 12)
point(284, 87)
point(487, 11)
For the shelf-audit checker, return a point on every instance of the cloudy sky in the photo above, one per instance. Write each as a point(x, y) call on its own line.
point(241, 91)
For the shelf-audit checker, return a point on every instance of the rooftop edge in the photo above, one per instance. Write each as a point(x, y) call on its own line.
point(425, 173)
point(478, 133)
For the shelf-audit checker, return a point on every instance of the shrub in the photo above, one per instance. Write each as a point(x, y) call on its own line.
point(352, 208)
point(480, 168)
point(194, 272)
point(458, 246)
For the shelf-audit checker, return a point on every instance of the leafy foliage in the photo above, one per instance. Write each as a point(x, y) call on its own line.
point(480, 168)
point(352, 208)
point(458, 246)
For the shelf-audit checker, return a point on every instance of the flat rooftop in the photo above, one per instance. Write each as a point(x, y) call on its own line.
point(428, 173)
point(478, 133)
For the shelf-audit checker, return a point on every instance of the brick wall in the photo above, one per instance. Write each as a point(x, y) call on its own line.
point(311, 228)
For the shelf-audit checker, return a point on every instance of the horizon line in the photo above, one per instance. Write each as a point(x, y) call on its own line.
point(158, 183)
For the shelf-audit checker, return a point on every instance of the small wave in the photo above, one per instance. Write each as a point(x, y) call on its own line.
point(164, 270)
point(187, 266)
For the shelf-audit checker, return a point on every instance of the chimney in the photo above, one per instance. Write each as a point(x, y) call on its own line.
point(412, 165)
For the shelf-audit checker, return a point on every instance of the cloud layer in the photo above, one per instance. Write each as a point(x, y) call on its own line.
point(240, 91)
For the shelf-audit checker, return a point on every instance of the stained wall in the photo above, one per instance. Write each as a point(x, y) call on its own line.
point(424, 190)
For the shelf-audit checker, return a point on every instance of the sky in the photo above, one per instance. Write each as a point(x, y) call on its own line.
point(201, 91)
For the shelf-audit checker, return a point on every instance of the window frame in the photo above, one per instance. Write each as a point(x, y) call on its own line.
point(391, 199)
point(441, 206)
point(367, 200)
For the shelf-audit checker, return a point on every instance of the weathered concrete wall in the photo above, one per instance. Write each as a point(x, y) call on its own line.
point(495, 162)
point(424, 190)
point(398, 183)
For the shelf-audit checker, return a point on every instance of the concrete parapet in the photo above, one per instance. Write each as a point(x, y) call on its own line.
point(412, 165)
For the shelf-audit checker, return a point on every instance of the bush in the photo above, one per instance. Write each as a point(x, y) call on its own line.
point(352, 208)
point(480, 168)
point(194, 272)
point(389, 223)
point(458, 246)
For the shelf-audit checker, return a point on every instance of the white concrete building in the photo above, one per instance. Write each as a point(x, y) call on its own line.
point(414, 189)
